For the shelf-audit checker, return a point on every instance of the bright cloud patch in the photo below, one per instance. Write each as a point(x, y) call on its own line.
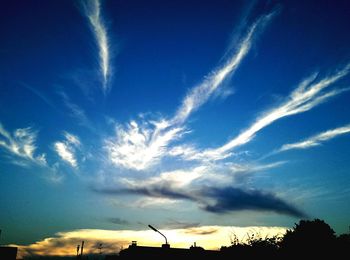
point(208, 237)
point(66, 149)
point(22, 144)
point(140, 147)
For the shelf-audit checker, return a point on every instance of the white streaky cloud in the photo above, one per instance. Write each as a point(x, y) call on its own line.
point(208, 237)
point(93, 12)
point(65, 153)
point(22, 144)
point(66, 149)
point(201, 93)
point(317, 139)
point(222, 174)
point(72, 139)
point(305, 97)
point(40, 95)
point(186, 179)
point(175, 179)
point(154, 203)
point(248, 168)
point(77, 112)
point(141, 146)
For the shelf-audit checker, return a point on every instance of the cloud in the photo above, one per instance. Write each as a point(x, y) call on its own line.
point(174, 224)
point(232, 199)
point(65, 153)
point(39, 94)
point(140, 146)
point(118, 221)
point(306, 96)
point(72, 139)
point(77, 112)
point(92, 9)
point(153, 203)
point(208, 189)
point(22, 144)
point(176, 179)
point(317, 139)
point(66, 149)
point(208, 237)
point(201, 93)
point(205, 174)
point(250, 168)
point(201, 231)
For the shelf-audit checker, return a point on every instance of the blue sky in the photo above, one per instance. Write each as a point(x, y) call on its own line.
point(119, 114)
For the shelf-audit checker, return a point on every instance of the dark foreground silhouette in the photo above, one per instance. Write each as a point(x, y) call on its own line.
point(309, 238)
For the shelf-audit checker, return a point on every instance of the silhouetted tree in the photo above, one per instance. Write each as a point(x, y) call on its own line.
point(343, 244)
point(309, 237)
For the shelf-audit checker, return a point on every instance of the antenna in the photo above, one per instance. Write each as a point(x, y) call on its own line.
point(154, 229)
point(82, 248)
point(100, 247)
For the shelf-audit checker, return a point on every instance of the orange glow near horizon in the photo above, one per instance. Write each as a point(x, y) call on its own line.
point(208, 237)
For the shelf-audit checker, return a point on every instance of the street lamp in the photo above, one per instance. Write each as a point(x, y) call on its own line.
point(154, 229)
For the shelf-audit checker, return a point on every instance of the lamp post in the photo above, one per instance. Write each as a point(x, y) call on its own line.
point(154, 229)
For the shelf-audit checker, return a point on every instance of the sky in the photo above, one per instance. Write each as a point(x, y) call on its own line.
point(202, 118)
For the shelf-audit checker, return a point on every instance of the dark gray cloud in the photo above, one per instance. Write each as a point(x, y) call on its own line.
point(174, 224)
point(218, 200)
point(118, 221)
point(201, 231)
point(233, 199)
point(161, 191)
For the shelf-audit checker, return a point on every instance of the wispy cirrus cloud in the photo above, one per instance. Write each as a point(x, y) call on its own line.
point(317, 139)
point(77, 112)
point(66, 149)
point(198, 95)
point(306, 96)
point(92, 10)
point(140, 146)
point(40, 95)
point(21, 143)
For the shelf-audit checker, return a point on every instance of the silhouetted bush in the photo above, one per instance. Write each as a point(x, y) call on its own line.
point(254, 246)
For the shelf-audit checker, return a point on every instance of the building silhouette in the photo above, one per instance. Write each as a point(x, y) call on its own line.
point(147, 252)
point(8, 252)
